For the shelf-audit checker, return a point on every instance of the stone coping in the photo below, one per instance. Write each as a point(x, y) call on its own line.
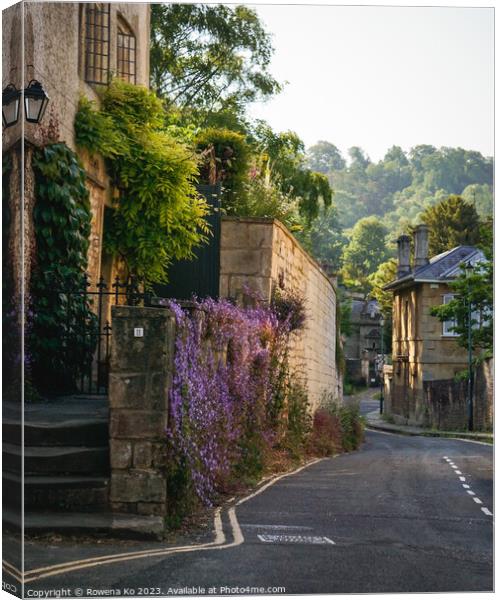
point(287, 232)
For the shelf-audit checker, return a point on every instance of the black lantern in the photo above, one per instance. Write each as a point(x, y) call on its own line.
point(10, 105)
point(35, 101)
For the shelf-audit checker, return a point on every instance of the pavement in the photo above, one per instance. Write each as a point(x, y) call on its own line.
point(370, 409)
point(402, 514)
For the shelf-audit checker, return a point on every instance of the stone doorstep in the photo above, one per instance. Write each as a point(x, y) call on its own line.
point(118, 524)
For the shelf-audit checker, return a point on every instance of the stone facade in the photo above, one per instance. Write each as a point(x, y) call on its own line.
point(54, 54)
point(421, 353)
point(425, 353)
point(262, 253)
point(362, 346)
point(141, 371)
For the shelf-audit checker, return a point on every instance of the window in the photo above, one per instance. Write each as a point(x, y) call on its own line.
point(125, 53)
point(97, 43)
point(449, 325)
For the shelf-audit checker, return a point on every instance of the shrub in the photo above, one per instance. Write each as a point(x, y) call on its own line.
point(336, 428)
point(326, 434)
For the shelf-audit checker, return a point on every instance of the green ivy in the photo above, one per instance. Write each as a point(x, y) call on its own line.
point(158, 216)
point(59, 322)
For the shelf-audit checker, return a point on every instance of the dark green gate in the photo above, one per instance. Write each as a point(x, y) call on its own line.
point(200, 276)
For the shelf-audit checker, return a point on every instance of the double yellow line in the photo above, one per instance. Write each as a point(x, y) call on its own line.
point(219, 543)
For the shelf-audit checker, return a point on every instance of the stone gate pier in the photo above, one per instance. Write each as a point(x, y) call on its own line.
point(141, 368)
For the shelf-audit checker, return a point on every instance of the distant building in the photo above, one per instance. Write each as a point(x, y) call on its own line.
point(424, 350)
point(362, 346)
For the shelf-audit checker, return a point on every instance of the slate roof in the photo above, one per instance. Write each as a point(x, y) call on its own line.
point(442, 267)
point(362, 309)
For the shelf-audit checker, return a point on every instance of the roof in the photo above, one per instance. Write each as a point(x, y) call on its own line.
point(363, 309)
point(442, 267)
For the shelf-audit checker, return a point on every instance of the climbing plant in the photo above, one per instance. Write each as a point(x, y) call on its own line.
point(59, 322)
point(158, 216)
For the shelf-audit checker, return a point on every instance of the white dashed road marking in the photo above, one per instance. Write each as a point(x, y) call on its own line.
point(467, 487)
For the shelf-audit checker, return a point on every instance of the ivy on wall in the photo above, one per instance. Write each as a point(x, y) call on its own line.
point(60, 322)
point(158, 216)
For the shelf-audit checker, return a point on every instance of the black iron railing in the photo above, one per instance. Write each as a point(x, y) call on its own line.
point(94, 331)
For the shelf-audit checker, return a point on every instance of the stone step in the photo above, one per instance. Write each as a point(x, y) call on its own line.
point(67, 492)
point(45, 460)
point(116, 524)
point(70, 432)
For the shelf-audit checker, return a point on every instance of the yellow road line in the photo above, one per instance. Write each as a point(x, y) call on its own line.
point(217, 544)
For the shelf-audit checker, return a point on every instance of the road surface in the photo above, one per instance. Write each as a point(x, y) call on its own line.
point(403, 514)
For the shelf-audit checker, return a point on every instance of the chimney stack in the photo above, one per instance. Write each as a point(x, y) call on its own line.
point(421, 243)
point(403, 255)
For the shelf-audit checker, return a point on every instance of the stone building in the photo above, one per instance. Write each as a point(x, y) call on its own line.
point(72, 49)
point(362, 345)
point(424, 350)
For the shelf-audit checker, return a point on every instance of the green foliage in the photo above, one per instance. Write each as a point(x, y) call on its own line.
point(365, 251)
point(324, 157)
point(385, 273)
point(225, 158)
point(476, 289)
point(452, 222)
point(298, 421)
point(158, 216)
point(327, 239)
point(261, 198)
point(58, 344)
point(283, 161)
point(207, 57)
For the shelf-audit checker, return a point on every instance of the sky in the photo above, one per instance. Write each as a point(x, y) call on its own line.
point(381, 76)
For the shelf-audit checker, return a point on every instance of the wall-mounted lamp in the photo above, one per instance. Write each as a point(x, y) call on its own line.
point(11, 98)
point(35, 103)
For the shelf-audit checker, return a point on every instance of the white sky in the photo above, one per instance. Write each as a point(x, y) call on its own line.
point(377, 76)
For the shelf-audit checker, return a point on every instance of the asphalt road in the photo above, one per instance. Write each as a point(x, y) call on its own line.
point(392, 517)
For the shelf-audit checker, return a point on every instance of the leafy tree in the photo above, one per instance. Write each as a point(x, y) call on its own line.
point(282, 158)
point(476, 288)
point(365, 251)
point(324, 157)
point(359, 159)
point(481, 197)
point(385, 273)
point(326, 238)
point(452, 222)
point(207, 57)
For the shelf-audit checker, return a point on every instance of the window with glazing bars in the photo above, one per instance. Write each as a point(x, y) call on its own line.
point(97, 43)
point(126, 56)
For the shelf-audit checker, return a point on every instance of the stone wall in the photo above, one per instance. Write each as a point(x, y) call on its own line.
point(260, 254)
point(141, 371)
point(446, 406)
